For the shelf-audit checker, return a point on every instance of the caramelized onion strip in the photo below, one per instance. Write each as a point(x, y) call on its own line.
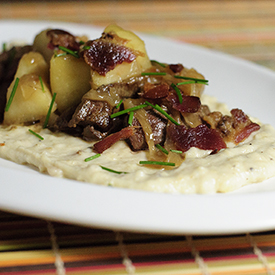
point(109, 96)
point(177, 158)
point(141, 116)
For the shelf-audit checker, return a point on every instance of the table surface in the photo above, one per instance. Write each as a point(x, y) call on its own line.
point(245, 29)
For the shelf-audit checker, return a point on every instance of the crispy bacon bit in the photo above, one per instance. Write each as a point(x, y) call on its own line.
point(154, 91)
point(107, 142)
point(201, 137)
point(176, 68)
point(239, 116)
point(233, 128)
point(190, 104)
point(246, 132)
point(243, 125)
point(103, 55)
point(62, 38)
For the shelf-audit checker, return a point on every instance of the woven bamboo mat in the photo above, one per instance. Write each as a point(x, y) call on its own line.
point(32, 246)
point(242, 28)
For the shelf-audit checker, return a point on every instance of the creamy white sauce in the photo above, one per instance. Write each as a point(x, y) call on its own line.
point(61, 155)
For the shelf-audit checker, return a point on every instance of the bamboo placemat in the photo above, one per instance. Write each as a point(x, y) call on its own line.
point(243, 28)
point(32, 246)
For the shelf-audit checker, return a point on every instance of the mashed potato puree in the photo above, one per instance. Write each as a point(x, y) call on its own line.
point(63, 156)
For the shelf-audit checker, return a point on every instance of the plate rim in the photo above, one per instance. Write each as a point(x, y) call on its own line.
point(267, 223)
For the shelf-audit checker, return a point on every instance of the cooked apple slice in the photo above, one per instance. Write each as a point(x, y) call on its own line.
point(31, 100)
point(70, 79)
point(117, 55)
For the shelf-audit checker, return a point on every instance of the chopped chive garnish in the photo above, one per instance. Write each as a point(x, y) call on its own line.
point(128, 110)
point(45, 125)
point(130, 119)
point(4, 47)
point(176, 151)
point(86, 47)
point(92, 157)
point(192, 82)
point(37, 135)
point(190, 78)
point(118, 105)
point(12, 94)
point(186, 82)
point(153, 73)
point(161, 64)
point(162, 149)
point(66, 50)
point(81, 42)
point(42, 85)
point(112, 171)
point(178, 91)
point(158, 163)
point(158, 108)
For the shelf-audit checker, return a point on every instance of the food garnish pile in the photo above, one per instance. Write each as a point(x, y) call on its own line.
point(107, 90)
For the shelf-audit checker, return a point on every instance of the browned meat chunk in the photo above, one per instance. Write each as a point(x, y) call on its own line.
point(189, 104)
point(93, 113)
point(155, 91)
point(176, 68)
point(62, 38)
point(93, 116)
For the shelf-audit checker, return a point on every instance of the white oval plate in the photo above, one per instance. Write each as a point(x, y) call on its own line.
point(237, 82)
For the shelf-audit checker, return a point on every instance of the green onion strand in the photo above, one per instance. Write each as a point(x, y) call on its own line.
point(176, 151)
point(66, 50)
point(86, 48)
point(190, 78)
point(128, 110)
point(162, 149)
point(178, 91)
point(118, 105)
point(192, 82)
point(4, 47)
point(12, 94)
point(37, 135)
point(159, 63)
point(41, 83)
point(153, 73)
point(45, 125)
point(186, 82)
point(92, 157)
point(157, 163)
point(112, 171)
point(158, 108)
point(130, 119)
